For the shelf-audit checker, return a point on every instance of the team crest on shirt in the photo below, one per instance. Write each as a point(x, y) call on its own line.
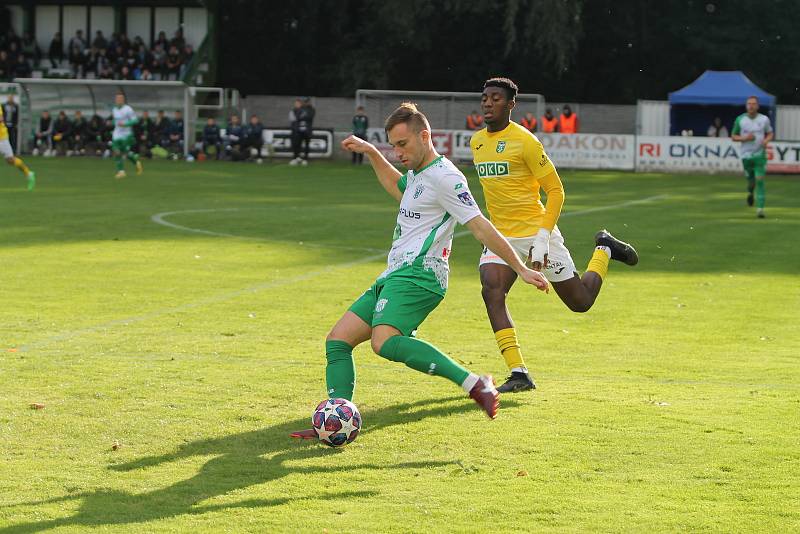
point(501, 145)
point(419, 190)
point(543, 161)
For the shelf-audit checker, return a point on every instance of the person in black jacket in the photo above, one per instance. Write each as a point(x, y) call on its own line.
point(234, 139)
point(43, 138)
point(94, 135)
point(56, 50)
point(360, 126)
point(254, 136)
point(175, 136)
point(79, 132)
point(302, 127)
point(62, 129)
point(143, 131)
point(211, 138)
point(11, 118)
point(160, 127)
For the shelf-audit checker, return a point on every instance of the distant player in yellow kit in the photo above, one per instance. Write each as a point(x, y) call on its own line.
point(8, 153)
point(513, 167)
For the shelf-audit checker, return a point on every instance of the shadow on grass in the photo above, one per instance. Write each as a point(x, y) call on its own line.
point(240, 461)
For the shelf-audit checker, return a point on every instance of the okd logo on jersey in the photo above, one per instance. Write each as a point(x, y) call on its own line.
point(492, 169)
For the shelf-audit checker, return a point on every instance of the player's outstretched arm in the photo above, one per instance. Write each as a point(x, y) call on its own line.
point(387, 174)
point(485, 232)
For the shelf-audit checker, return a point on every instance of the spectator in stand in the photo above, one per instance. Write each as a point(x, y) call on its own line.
point(474, 121)
point(31, 49)
point(126, 74)
point(173, 63)
point(717, 129)
point(254, 137)
point(549, 122)
point(568, 121)
point(177, 40)
point(5, 66)
point(94, 135)
point(360, 126)
point(186, 60)
point(158, 63)
point(130, 59)
point(80, 129)
point(90, 63)
point(161, 41)
point(56, 51)
point(160, 127)
point(234, 139)
point(77, 61)
point(117, 59)
point(78, 41)
point(11, 119)
point(22, 68)
point(303, 127)
point(175, 135)
point(12, 37)
point(529, 122)
point(99, 40)
point(143, 59)
point(62, 129)
point(13, 52)
point(43, 138)
point(146, 75)
point(211, 139)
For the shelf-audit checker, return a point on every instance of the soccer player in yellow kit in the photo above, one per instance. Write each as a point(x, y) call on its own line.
point(8, 153)
point(513, 167)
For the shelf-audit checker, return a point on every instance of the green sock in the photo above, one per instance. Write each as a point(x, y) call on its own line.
point(761, 193)
point(423, 357)
point(751, 182)
point(118, 160)
point(340, 373)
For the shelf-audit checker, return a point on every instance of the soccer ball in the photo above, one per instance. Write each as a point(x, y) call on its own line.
point(337, 422)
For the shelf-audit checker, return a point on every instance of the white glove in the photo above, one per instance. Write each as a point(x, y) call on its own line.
point(541, 247)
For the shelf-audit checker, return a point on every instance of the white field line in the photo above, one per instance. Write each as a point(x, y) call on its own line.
point(222, 297)
point(160, 218)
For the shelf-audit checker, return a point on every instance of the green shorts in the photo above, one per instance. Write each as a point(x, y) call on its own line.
point(757, 165)
point(122, 145)
point(396, 302)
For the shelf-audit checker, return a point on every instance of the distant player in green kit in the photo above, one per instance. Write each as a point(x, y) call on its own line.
point(122, 140)
point(754, 131)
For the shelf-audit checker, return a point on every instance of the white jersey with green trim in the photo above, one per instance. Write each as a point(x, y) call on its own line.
point(435, 199)
point(759, 126)
point(124, 114)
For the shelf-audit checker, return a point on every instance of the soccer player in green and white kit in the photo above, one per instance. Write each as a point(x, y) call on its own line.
point(434, 197)
point(754, 131)
point(122, 140)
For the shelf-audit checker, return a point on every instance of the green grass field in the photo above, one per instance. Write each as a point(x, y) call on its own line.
point(674, 404)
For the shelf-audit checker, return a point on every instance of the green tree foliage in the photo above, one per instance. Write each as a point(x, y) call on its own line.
point(613, 51)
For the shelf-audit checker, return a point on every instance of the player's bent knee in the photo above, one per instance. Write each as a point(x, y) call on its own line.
point(581, 306)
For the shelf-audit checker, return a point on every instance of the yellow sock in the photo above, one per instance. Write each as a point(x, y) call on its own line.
point(18, 163)
point(509, 348)
point(599, 263)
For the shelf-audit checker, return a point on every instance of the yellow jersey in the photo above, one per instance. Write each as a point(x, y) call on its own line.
point(513, 167)
point(3, 128)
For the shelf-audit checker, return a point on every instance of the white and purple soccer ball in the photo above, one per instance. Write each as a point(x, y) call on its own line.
point(337, 422)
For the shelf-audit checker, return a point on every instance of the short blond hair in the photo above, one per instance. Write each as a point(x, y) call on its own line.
point(407, 113)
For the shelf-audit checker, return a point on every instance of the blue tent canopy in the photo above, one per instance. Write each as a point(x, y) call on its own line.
point(715, 87)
